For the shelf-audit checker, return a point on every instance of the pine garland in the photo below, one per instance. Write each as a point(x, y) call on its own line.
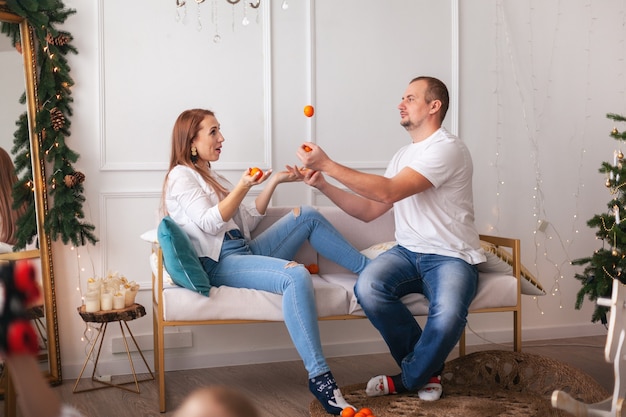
point(607, 264)
point(65, 217)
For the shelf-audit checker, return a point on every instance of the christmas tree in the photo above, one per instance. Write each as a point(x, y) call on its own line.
point(608, 262)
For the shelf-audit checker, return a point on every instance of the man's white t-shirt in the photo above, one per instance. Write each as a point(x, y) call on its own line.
point(439, 220)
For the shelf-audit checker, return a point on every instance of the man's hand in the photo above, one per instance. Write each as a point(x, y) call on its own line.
point(312, 156)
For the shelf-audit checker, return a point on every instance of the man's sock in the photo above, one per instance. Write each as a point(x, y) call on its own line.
point(326, 391)
point(385, 385)
point(432, 390)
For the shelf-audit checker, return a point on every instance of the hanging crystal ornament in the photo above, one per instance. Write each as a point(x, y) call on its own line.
point(245, 21)
point(198, 2)
point(181, 10)
point(216, 38)
point(285, 5)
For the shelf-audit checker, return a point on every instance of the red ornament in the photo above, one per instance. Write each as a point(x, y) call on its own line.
point(26, 281)
point(21, 338)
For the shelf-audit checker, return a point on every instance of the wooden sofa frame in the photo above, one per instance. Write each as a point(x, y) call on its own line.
point(159, 324)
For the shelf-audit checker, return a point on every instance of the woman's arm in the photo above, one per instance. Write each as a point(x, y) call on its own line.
point(290, 174)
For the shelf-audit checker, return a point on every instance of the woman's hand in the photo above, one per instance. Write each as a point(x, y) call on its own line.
point(290, 174)
point(250, 179)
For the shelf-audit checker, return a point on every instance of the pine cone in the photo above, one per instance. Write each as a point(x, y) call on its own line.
point(63, 38)
point(57, 119)
point(71, 180)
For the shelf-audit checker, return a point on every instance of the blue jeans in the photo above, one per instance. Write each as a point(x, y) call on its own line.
point(448, 283)
point(264, 263)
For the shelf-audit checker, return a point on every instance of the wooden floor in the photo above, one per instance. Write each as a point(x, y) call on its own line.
point(280, 389)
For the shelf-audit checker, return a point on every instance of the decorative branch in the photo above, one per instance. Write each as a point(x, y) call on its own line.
point(65, 217)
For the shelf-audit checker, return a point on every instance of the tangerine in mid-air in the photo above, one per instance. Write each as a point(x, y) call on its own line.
point(309, 110)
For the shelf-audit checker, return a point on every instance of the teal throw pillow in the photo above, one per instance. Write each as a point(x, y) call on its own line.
point(180, 258)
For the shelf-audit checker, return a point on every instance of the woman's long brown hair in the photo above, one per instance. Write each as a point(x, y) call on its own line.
point(186, 128)
point(8, 214)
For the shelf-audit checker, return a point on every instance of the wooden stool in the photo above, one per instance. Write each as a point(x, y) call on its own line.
point(105, 317)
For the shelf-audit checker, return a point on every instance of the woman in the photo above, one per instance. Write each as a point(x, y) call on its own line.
point(212, 212)
point(8, 215)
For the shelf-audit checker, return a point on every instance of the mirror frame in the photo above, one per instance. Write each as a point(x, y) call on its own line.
point(44, 253)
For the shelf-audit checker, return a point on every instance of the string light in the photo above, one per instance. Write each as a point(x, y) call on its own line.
point(534, 107)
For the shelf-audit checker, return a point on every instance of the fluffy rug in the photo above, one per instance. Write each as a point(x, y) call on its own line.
point(486, 384)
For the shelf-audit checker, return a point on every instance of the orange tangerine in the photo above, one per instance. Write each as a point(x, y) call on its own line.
point(307, 148)
point(366, 411)
point(348, 412)
point(359, 414)
point(309, 111)
point(254, 170)
point(314, 269)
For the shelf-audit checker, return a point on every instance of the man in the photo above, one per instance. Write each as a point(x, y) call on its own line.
point(429, 185)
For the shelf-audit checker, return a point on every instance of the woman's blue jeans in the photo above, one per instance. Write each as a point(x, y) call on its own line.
point(265, 263)
point(448, 283)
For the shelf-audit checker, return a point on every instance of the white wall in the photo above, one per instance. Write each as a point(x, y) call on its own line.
point(534, 83)
point(12, 87)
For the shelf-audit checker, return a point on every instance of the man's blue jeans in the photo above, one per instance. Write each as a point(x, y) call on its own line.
point(265, 263)
point(448, 283)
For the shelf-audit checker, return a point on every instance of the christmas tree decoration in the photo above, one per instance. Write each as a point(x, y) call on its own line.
point(609, 262)
point(72, 180)
point(65, 217)
point(57, 119)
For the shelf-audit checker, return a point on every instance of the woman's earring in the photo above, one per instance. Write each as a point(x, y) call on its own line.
point(194, 154)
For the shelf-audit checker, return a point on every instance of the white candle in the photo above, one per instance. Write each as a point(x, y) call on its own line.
point(92, 302)
point(130, 295)
point(106, 301)
point(118, 301)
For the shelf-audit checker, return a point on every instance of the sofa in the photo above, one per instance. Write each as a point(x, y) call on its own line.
point(501, 284)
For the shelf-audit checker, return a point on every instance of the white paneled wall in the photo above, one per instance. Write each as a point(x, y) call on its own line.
point(138, 68)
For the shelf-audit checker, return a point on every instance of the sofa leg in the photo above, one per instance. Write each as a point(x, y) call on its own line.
point(517, 331)
point(462, 344)
point(159, 357)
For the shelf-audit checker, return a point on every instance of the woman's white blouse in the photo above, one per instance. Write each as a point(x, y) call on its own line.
point(192, 204)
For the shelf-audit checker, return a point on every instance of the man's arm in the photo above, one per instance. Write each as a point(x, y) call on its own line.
point(372, 187)
point(353, 204)
point(377, 187)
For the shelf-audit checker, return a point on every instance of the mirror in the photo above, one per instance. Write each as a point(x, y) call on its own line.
point(45, 320)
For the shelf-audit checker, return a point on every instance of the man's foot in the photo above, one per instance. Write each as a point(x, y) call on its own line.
point(377, 386)
point(385, 385)
point(432, 390)
point(326, 391)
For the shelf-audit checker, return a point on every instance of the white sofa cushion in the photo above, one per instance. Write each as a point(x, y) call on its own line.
point(494, 290)
point(228, 303)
